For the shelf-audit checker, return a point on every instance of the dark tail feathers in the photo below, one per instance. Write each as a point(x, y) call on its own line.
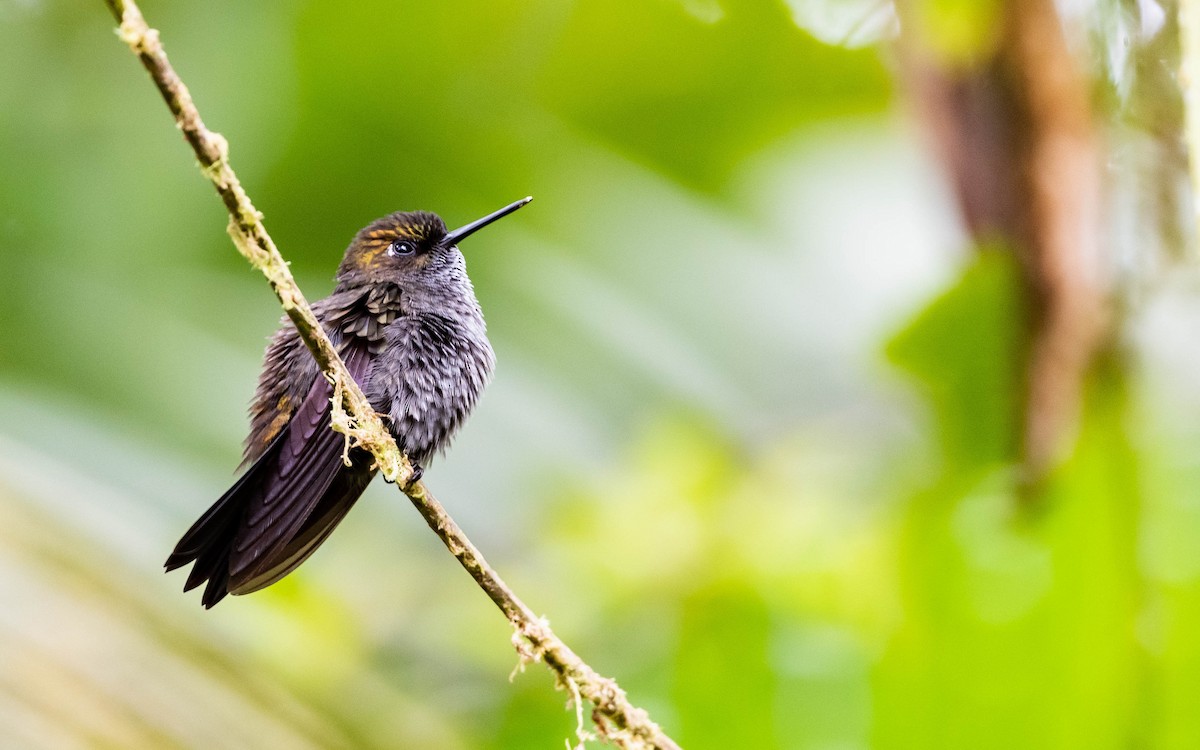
point(209, 542)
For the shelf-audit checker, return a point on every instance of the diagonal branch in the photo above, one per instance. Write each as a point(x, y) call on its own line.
point(617, 720)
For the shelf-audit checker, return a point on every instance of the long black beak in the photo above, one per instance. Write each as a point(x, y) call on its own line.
point(453, 238)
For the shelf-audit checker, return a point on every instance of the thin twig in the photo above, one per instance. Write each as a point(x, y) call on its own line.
point(618, 721)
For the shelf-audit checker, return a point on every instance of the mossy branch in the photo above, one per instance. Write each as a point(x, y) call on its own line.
point(616, 719)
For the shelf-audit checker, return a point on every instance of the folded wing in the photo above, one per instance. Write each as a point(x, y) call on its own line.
point(284, 506)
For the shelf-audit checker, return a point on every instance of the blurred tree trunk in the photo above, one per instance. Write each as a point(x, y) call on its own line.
point(1008, 112)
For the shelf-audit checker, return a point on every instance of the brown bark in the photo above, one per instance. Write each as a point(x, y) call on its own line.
point(1013, 126)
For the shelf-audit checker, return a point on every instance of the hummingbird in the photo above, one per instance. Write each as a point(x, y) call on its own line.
point(404, 318)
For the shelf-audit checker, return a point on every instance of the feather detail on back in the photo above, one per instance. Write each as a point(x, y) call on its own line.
point(296, 488)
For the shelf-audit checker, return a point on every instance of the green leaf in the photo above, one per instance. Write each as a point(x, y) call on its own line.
point(964, 350)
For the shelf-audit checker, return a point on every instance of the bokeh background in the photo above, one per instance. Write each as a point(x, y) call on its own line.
point(749, 446)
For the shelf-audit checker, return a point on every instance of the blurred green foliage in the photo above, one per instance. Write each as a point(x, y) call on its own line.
point(965, 350)
point(750, 443)
point(958, 32)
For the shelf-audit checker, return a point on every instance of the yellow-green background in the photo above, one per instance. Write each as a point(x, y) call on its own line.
point(749, 442)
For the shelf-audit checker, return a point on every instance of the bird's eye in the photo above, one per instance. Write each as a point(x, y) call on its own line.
point(401, 247)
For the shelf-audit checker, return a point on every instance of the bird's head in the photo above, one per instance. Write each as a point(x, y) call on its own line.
point(409, 248)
